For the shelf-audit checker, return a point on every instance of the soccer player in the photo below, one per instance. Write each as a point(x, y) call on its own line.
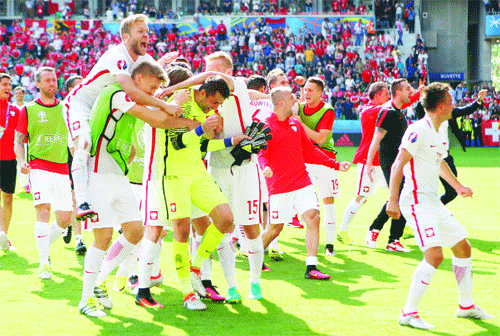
point(379, 95)
point(112, 124)
point(19, 94)
point(80, 248)
point(390, 127)
point(9, 114)
point(114, 66)
point(288, 183)
point(420, 159)
point(188, 182)
point(42, 123)
point(317, 118)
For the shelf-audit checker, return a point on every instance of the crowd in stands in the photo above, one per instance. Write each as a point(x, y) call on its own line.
point(334, 54)
point(388, 12)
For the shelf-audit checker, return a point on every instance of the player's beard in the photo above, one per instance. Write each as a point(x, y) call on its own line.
point(135, 48)
point(48, 94)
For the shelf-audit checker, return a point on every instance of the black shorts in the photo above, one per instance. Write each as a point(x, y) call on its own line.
point(8, 175)
point(70, 162)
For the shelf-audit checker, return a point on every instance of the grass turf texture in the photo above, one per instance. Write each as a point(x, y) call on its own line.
point(364, 297)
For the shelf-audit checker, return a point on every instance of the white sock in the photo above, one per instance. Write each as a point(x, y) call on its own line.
point(206, 268)
point(123, 269)
point(118, 251)
point(243, 239)
point(132, 266)
point(330, 222)
point(55, 232)
point(255, 258)
point(80, 175)
point(91, 266)
point(462, 268)
point(146, 257)
point(155, 271)
point(274, 244)
point(227, 260)
point(349, 214)
point(42, 241)
point(421, 280)
point(311, 261)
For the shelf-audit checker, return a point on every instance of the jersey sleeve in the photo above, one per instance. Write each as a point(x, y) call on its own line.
point(385, 119)
point(22, 122)
point(117, 64)
point(122, 102)
point(412, 140)
point(327, 121)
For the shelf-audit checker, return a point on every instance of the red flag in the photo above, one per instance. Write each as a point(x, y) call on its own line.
point(491, 133)
point(30, 24)
point(87, 26)
point(58, 5)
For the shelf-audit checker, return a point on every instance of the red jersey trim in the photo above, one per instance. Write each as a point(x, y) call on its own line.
point(416, 223)
point(412, 168)
point(240, 115)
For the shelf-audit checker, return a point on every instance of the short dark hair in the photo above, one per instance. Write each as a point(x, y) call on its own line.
point(38, 72)
point(318, 81)
point(433, 95)
point(178, 73)
point(215, 84)
point(376, 88)
point(71, 80)
point(396, 85)
point(256, 82)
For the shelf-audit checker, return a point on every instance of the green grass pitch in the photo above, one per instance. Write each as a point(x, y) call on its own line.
point(364, 297)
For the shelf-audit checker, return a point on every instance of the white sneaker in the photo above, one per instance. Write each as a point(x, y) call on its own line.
point(193, 302)
point(45, 272)
point(90, 308)
point(4, 241)
point(413, 320)
point(474, 312)
point(197, 285)
point(371, 238)
point(396, 246)
point(101, 293)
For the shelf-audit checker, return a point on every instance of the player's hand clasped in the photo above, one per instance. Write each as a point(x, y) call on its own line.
point(344, 166)
point(392, 209)
point(209, 127)
point(267, 172)
point(25, 167)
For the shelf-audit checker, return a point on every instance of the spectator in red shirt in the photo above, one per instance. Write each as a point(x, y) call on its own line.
point(9, 115)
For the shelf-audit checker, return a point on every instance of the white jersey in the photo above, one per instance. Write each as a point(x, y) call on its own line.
point(261, 109)
point(103, 162)
point(115, 61)
point(428, 149)
point(237, 114)
point(154, 161)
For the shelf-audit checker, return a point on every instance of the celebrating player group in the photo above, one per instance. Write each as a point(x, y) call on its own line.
point(219, 159)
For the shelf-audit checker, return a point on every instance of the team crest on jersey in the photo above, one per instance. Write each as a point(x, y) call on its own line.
point(412, 137)
point(153, 215)
point(173, 207)
point(366, 189)
point(36, 196)
point(121, 64)
point(42, 115)
point(95, 218)
point(12, 113)
point(76, 125)
point(275, 214)
point(429, 232)
point(294, 128)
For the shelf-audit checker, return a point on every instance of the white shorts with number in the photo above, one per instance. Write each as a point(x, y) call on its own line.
point(244, 192)
point(433, 225)
point(76, 116)
point(325, 178)
point(113, 200)
point(51, 188)
point(365, 186)
point(282, 207)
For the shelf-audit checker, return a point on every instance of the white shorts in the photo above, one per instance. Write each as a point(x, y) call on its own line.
point(365, 186)
point(153, 206)
point(433, 225)
point(51, 188)
point(243, 190)
point(76, 116)
point(113, 200)
point(325, 178)
point(282, 207)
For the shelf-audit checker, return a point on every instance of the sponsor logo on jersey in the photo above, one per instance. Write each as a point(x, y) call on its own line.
point(429, 232)
point(36, 196)
point(294, 128)
point(121, 64)
point(412, 137)
point(76, 125)
point(153, 215)
point(42, 115)
point(173, 207)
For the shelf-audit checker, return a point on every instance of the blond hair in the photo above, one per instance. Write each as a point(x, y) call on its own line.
point(128, 22)
point(280, 94)
point(222, 57)
point(151, 68)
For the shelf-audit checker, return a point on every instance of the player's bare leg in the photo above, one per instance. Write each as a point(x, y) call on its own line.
point(312, 219)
